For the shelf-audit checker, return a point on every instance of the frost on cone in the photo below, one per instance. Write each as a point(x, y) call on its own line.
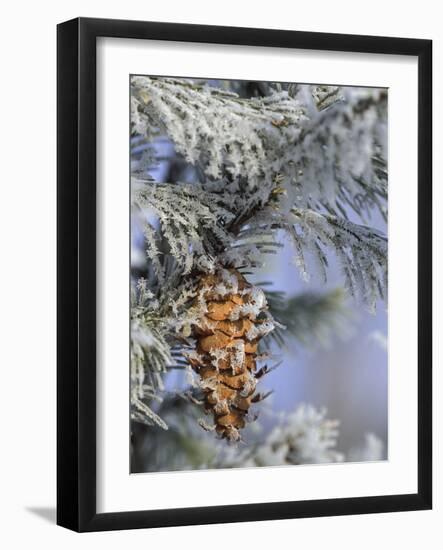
point(231, 322)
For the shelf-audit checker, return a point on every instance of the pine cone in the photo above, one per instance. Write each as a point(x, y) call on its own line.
point(227, 331)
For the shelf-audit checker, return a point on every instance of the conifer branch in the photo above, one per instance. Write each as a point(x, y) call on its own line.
point(309, 317)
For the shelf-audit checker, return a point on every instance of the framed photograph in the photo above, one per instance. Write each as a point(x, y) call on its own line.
point(244, 274)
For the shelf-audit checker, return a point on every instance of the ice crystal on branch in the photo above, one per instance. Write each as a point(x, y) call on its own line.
point(362, 251)
point(331, 157)
point(157, 321)
point(149, 357)
point(193, 222)
point(306, 436)
point(224, 134)
point(343, 155)
point(325, 96)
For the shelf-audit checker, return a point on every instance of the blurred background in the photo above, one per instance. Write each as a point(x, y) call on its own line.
point(342, 368)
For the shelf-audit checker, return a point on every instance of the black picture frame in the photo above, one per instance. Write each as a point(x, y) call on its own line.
point(76, 266)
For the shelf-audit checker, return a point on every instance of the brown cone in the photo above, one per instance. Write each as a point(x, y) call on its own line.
point(227, 337)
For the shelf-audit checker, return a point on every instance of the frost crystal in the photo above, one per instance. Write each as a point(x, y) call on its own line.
point(306, 436)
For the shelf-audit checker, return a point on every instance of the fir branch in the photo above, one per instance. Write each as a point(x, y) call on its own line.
point(185, 446)
point(193, 222)
point(306, 436)
point(309, 317)
point(333, 158)
point(156, 321)
point(325, 96)
point(150, 355)
point(362, 251)
point(224, 134)
point(342, 154)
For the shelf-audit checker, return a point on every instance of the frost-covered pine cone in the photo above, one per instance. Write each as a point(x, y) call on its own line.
point(233, 319)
